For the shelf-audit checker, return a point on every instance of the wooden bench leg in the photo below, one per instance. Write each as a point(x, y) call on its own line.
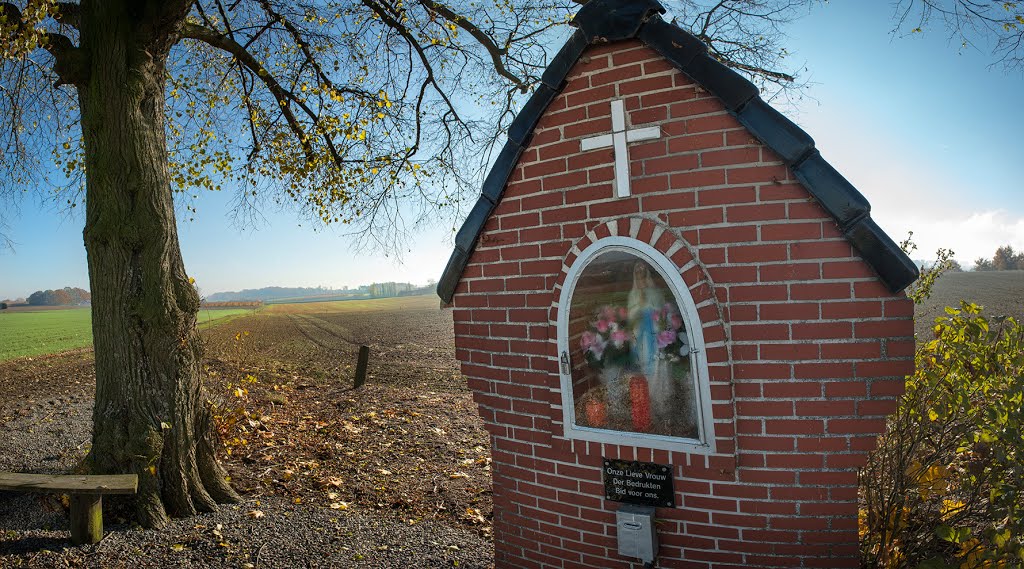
point(86, 518)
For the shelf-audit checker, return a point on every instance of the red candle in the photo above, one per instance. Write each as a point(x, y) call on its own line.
point(640, 400)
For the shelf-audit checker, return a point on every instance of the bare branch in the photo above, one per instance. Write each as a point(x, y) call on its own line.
point(495, 52)
point(775, 75)
point(746, 35)
point(415, 45)
point(282, 96)
point(994, 26)
point(310, 60)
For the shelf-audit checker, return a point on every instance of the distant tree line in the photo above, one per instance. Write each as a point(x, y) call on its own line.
point(389, 289)
point(274, 293)
point(67, 296)
point(287, 294)
point(1005, 259)
point(233, 304)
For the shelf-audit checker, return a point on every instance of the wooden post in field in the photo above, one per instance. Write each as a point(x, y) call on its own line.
point(364, 359)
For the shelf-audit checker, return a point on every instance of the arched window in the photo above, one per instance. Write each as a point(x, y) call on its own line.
point(631, 351)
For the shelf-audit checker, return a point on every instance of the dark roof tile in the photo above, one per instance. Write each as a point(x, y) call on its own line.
point(732, 88)
point(465, 239)
point(895, 269)
point(494, 183)
point(832, 190)
point(777, 132)
point(452, 274)
point(664, 38)
point(522, 126)
point(558, 69)
point(604, 21)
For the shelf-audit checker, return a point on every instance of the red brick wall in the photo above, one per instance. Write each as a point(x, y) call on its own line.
point(806, 348)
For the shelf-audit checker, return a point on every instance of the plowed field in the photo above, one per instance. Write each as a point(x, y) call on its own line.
point(406, 449)
point(1000, 293)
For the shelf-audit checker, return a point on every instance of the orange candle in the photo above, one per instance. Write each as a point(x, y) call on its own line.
point(640, 400)
point(597, 413)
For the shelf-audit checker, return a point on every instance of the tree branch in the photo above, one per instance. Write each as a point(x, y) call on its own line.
point(69, 14)
point(69, 61)
point(413, 44)
point(161, 21)
point(777, 75)
point(283, 98)
point(483, 39)
point(969, 20)
point(310, 59)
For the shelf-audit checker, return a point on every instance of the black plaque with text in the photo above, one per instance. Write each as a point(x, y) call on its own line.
point(642, 483)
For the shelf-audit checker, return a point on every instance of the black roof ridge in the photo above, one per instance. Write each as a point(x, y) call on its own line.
point(604, 21)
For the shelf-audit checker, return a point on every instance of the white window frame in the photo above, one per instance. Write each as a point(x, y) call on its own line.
point(705, 443)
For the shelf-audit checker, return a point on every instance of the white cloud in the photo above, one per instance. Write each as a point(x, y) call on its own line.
point(970, 235)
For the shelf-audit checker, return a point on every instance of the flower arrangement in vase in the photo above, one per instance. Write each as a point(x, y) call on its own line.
point(607, 342)
point(673, 343)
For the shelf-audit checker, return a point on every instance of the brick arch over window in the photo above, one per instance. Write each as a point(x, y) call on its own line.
point(700, 287)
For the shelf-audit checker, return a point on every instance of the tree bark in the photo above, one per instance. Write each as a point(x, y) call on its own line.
point(150, 417)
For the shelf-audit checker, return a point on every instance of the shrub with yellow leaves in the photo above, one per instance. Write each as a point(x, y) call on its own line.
point(945, 488)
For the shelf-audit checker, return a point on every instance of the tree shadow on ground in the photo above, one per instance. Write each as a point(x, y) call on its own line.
point(20, 545)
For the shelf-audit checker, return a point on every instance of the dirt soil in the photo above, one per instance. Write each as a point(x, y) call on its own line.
point(393, 474)
point(1000, 293)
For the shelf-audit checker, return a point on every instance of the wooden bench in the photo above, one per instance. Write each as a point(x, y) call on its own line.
point(85, 492)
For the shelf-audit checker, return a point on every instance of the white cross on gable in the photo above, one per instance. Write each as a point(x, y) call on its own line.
point(618, 139)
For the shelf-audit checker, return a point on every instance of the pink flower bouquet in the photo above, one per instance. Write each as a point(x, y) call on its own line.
point(608, 340)
point(670, 333)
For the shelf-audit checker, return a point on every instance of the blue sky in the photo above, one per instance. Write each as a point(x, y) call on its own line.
point(928, 132)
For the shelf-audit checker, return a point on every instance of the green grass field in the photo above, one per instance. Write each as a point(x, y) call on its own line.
point(26, 333)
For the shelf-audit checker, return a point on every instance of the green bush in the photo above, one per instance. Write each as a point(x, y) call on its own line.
point(945, 488)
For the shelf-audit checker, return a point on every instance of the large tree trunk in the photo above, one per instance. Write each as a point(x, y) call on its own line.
point(150, 417)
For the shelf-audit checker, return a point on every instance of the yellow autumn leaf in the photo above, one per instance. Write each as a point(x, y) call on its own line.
point(933, 480)
point(972, 555)
point(950, 508)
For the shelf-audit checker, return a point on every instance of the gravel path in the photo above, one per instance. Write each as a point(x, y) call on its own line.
point(51, 436)
point(285, 535)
